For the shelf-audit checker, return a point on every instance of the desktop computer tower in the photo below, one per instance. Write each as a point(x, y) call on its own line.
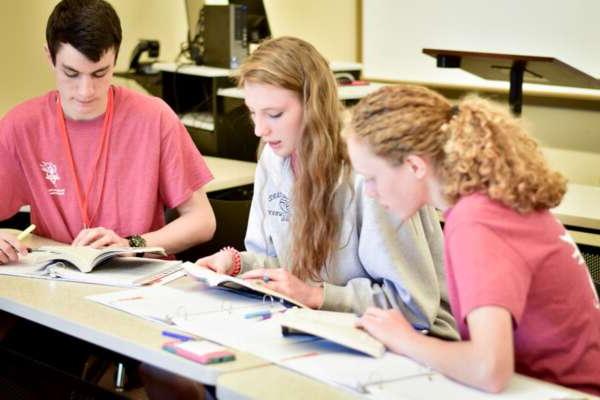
point(225, 35)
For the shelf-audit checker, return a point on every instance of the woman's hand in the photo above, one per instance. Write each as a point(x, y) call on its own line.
point(284, 282)
point(220, 262)
point(388, 326)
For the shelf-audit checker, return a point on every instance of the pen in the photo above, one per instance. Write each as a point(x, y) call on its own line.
point(176, 335)
point(23, 235)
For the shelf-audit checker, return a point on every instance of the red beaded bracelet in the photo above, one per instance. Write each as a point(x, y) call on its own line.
point(237, 260)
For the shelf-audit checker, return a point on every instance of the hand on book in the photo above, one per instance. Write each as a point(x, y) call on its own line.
point(286, 283)
point(388, 326)
point(220, 262)
point(10, 248)
point(99, 237)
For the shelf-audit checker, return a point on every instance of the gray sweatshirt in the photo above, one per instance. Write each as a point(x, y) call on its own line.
point(381, 261)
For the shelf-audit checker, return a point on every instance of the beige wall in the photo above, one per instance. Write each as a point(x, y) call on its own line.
point(332, 26)
point(24, 73)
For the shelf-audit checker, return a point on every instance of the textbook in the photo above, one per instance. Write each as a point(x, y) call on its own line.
point(337, 327)
point(238, 285)
point(75, 263)
point(84, 258)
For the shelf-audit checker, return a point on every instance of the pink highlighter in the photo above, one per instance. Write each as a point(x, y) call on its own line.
point(200, 351)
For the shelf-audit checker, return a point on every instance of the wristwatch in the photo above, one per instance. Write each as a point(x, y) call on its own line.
point(136, 241)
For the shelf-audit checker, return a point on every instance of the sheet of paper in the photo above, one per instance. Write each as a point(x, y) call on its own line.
point(434, 386)
point(165, 304)
point(354, 370)
point(253, 335)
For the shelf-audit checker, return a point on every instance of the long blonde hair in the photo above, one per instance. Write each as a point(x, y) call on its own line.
point(322, 161)
point(476, 146)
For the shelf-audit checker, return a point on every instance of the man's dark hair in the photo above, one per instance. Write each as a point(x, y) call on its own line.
point(90, 26)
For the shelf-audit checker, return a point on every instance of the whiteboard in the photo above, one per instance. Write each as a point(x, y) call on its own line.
point(394, 32)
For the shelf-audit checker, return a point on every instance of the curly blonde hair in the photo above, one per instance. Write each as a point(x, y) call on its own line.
point(476, 146)
point(322, 161)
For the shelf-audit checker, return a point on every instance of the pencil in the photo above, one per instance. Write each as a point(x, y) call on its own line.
point(23, 235)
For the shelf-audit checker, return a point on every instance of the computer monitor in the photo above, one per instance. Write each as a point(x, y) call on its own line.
point(258, 24)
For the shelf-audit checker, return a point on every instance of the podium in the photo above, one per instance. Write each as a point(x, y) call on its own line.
point(516, 69)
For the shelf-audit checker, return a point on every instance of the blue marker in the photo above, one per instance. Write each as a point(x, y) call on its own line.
point(179, 336)
point(264, 314)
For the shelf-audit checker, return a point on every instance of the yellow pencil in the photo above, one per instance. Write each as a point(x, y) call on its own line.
point(26, 232)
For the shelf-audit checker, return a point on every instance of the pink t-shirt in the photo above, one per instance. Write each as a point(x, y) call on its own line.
point(152, 164)
point(529, 265)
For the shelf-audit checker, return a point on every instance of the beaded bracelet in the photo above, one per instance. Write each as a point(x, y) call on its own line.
point(237, 260)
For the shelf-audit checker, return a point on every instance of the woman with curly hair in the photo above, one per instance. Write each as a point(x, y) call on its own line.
point(519, 288)
point(312, 235)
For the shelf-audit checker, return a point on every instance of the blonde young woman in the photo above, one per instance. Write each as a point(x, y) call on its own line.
point(312, 235)
point(519, 288)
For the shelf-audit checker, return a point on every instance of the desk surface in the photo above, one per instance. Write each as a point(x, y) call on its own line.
point(229, 173)
point(346, 92)
point(276, 383)
point(580, 206)
point(62, 306)
point(214, 72)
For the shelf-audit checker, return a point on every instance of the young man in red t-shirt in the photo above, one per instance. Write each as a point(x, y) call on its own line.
point(99, 163)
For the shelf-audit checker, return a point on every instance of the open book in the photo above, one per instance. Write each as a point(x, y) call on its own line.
point(337, 327)
point(74, 263)
point(84, 258)
point(238, 285)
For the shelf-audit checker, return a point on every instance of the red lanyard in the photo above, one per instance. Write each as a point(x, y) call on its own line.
point(83, 196)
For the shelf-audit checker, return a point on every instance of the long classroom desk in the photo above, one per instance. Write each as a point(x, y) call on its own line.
point(272, 382)
point(62, 306)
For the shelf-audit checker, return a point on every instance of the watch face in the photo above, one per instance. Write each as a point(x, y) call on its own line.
point(137, 241)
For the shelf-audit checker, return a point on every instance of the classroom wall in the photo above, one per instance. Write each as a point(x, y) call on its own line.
point(571, 134)
point(24, 72)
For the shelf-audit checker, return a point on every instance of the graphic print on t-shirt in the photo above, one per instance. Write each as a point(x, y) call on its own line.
point(51, 174)
point(565, 237)
point(279, 206)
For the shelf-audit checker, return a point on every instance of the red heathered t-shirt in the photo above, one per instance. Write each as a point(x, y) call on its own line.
point(529, 265)
point(152, 163)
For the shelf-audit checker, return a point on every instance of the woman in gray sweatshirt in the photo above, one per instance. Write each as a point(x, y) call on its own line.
point(312, 233)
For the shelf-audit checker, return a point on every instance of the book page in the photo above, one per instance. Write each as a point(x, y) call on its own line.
point(233, 283)
point(337, 327)
point(32, 264)
point(119, 271)
point(85, 258)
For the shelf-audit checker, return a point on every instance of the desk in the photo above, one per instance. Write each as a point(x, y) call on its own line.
point(580, 207)
point(277, 383)
point(62, 306)
point(345, 92)
point(229, 173)
point(204, 70)
point(191, 90)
